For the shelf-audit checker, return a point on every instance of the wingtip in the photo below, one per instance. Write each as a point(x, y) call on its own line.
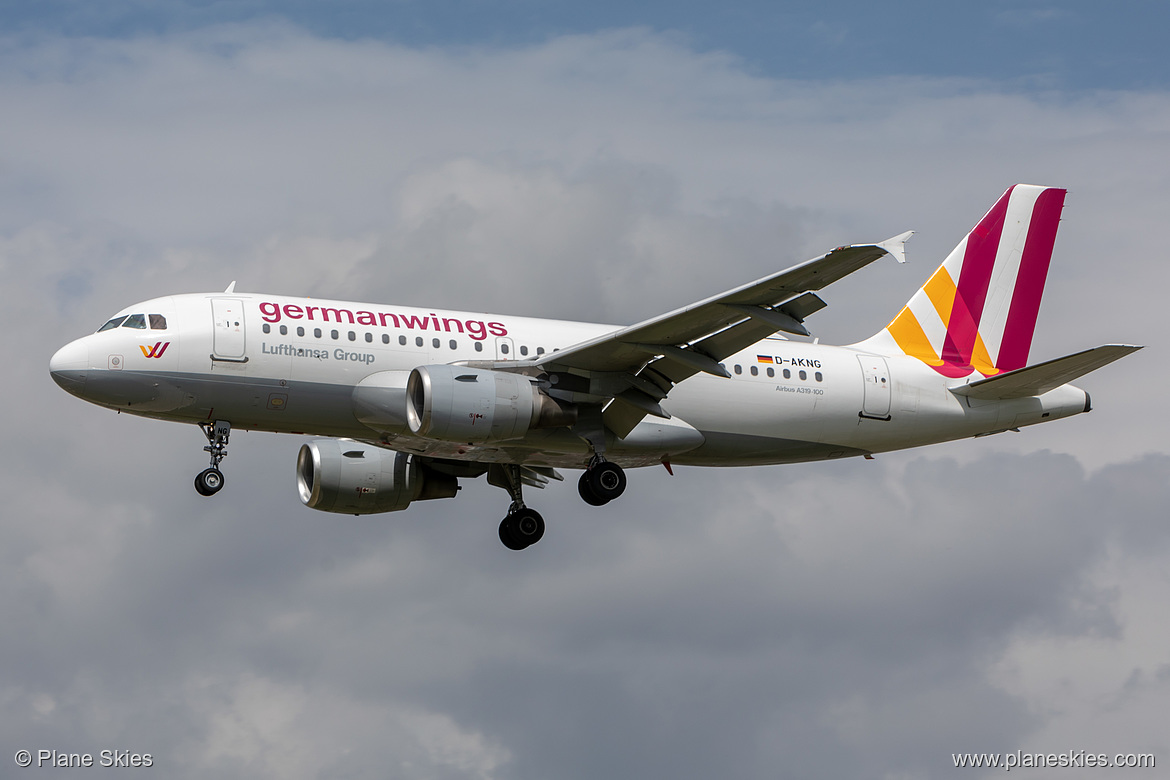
point(896, 246)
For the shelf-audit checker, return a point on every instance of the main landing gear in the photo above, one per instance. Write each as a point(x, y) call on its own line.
point(210, 481)
point(523, 526)
point(601, 482)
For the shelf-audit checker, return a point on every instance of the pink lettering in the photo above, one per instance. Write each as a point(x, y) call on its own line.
point(477, 330)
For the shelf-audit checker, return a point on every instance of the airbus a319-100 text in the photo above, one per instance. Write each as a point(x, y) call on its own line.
point(407, 402)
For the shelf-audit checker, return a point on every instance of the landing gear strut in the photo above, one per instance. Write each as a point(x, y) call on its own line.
point(522, 527)
point(602, 482)
point(209, 481)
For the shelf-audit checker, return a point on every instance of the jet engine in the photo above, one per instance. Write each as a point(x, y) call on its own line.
point(348, 477)
point(473, 405)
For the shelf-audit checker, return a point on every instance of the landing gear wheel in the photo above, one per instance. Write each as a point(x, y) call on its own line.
point(529, 526)
point(508, 534)
point(586, 492)
point(522, 528)
point(209, 482)
point(607, 481)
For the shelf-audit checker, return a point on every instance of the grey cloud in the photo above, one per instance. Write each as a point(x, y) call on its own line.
point(724, 619)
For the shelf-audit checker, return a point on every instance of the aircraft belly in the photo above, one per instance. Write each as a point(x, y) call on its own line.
point(738, 449)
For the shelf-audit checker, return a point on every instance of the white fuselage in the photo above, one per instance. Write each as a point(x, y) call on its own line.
point(292, 365)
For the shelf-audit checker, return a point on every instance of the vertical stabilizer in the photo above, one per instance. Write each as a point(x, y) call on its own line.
point(978, 311)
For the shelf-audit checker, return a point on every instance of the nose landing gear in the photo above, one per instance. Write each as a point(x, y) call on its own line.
point(210, 481)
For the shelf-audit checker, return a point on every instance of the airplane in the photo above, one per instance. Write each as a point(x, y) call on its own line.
point(407, 402)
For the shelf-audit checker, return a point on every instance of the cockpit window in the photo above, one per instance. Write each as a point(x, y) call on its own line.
point(157, 322)
point(135, 321)
point(112, 323)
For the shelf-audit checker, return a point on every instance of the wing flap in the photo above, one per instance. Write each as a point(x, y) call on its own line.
point(1042, 377)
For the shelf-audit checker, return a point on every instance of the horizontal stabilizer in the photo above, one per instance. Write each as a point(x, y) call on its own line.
point(1042, 377)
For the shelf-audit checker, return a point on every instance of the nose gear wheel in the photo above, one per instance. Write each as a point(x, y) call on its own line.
point(208, 482)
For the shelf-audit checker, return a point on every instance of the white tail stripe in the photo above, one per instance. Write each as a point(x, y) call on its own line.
point(1007, 266)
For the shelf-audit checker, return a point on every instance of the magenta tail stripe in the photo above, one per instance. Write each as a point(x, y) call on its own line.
point(1025, 306)
point(974, 279)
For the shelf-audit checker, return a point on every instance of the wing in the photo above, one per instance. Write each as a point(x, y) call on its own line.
point(637, 366)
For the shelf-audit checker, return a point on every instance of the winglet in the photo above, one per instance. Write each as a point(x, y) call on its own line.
point(231, 288)
point(896, 246)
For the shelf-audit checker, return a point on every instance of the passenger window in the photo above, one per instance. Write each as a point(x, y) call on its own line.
point(479, 346)
point(317, 333)
point(504, 348)
point(352, 336)
point(266, 328)
point(755, 371)
point(539, 351)
point(135, 321)
point(803, 375)
point(402, 340)
point(787, 374)
point(300, 331)
point(454, 345)
point(385, 338)
point(334, 335)
point(418, 341)
point(369, 337)
point(817, 376)
point(524, 351)
point(738, 368)
point(771, 372)
point(158, 322)
point(112, 323)
point(284, 330)
point(435, 343)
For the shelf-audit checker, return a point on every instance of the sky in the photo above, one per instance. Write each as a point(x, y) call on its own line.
point(852, 619)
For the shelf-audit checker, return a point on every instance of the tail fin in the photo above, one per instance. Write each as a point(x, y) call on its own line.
point(978, 311)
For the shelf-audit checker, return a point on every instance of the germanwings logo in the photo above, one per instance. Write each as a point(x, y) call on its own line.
point(978, 311)
point(156, 351)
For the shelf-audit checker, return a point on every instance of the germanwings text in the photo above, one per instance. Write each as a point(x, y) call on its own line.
point(476, 329)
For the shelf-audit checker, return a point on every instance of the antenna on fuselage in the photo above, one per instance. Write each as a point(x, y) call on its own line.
point(231, 287)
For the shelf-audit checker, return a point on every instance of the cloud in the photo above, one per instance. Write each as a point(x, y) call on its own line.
point(831, 619)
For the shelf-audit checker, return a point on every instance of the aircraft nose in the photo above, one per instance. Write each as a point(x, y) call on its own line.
point(69, 365)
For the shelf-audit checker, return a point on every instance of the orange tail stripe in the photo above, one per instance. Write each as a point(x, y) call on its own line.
point(910, 337)
point(940, 289)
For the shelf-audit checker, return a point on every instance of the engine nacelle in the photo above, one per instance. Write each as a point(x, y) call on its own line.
point(461, 404)
point(340, 475)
